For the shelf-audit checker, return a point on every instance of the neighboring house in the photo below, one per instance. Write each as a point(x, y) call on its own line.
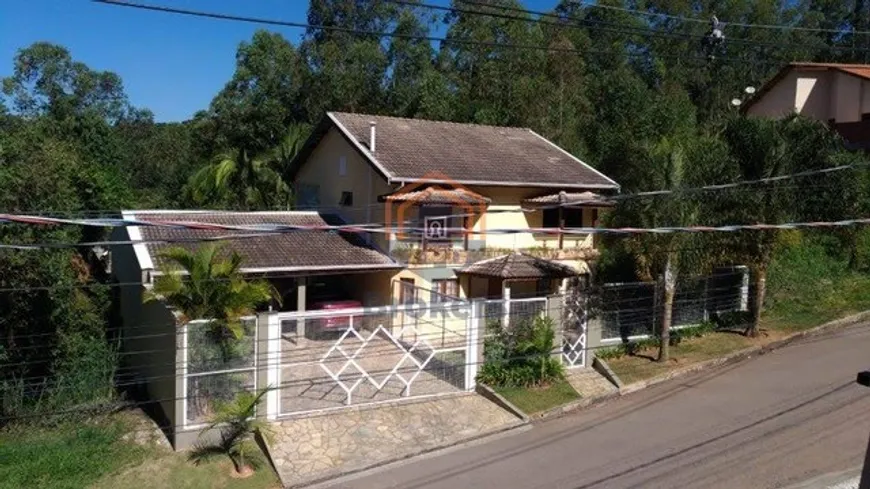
point(838, 94)
point(409, 174)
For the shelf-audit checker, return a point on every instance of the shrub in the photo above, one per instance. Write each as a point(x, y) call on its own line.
point(521, 355)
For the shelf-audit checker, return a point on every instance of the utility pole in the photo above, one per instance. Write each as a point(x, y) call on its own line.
point(864, 379)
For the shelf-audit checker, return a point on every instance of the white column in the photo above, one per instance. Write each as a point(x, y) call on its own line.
point(473, 348)
point(301, 299)
point(506, 301)
point(273, 364)
point(744, 290)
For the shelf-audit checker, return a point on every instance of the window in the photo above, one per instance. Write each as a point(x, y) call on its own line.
point(342, 166)
point(573, 217)
point(307, 196)
point(406, 291)
point(346, 199)
point(444, 290)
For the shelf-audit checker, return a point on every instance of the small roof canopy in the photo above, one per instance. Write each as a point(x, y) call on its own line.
point(519, 266)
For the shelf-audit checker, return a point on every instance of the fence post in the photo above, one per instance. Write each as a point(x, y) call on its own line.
point(744, 290)
point(269, 361)
point(180, 382)
point(474, 343)
point(554, 309)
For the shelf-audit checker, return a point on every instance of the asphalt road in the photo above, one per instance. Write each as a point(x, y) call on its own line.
point(767, 422)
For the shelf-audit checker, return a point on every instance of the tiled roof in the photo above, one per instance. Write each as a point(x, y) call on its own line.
point(575, 198)
point(433, 195)
point(415, 149)
point(519, 266)
point(862, 71)
point(297, 250)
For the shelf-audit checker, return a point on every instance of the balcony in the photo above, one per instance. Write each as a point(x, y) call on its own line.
point(415, 255)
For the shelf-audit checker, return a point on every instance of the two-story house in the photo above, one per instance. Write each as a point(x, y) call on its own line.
point(837, 94)
point(471, 210)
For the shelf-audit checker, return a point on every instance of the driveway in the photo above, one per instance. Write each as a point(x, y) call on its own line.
point(768, 422)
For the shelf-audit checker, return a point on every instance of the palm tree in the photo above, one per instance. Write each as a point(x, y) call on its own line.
point(241, 180)
point(204, 285)
point(238, 425)
point(759, 149)
point(659, 255)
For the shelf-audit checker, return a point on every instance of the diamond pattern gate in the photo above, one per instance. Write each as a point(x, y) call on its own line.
point(574, 323)
point(334, 359)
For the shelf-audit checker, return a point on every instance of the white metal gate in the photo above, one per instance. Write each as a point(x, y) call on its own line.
point(325, 360)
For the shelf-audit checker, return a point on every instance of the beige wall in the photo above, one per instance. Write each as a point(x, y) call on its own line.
point(820, 94)
point(323, 169)
point(149, 336)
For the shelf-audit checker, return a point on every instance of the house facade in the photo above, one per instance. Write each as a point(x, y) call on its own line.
point(837, 94)
point(451, 195)
point(447, 227)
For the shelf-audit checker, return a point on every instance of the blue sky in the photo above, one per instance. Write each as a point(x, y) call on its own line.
point(171, 64)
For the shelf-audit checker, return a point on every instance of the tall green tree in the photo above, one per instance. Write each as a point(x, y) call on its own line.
point(263, 97)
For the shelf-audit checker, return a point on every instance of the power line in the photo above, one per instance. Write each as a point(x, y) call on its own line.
point(599, 25)
point(361, 32)
point(676, 17)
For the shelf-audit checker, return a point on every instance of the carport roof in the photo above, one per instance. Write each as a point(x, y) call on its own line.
point(295, 251)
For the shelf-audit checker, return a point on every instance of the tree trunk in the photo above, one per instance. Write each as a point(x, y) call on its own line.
point(757, 302)
point(667, 312)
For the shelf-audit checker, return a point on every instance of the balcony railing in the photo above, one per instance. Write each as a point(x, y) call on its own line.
point(455, 256)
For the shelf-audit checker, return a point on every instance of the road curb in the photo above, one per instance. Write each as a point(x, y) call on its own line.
point(748, 352)
point(734, 357)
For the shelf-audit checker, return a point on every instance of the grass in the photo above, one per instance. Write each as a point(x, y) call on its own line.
point(792, 310)
point(70, 456)
point(173, 470)
point(538, 399)
point(93, 454)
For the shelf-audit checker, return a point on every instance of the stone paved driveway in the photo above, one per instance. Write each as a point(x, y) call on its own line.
point(314, 448)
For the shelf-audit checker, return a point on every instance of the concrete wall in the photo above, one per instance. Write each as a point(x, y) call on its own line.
point(149, 337)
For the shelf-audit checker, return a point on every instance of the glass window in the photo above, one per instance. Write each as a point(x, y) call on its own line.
point(444, 290)
point(572, 215)
point(346, 199)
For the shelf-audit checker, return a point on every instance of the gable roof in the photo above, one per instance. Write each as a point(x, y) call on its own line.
point(294, 251)
point(409, 150)
point(860, 71)
point(519, 266)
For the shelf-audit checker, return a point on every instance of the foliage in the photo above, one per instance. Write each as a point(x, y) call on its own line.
point(521, 355)
point(238, 425)
point(203, 284)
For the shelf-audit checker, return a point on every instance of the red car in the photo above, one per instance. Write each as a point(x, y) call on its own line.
point(335, 324)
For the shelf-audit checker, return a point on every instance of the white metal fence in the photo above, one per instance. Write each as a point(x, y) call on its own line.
point(215, 367)
point(323, 360)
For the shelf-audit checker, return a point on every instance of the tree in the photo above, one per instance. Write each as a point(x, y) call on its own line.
point(239, 180)
point(262, 99)
point(202, 284)
point(759, 149)
point(46, 80)
point(661, 255)
point(238, 424)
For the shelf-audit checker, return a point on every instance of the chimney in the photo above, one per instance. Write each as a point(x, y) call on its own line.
point(372, 136)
